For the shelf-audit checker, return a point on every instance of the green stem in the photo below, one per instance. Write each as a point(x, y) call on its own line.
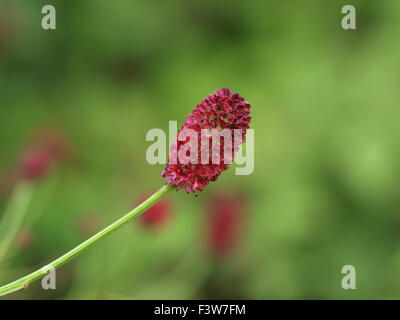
point(24, 281)
point(14, 215)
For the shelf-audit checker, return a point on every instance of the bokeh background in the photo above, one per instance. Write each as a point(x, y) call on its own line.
point(325, 108)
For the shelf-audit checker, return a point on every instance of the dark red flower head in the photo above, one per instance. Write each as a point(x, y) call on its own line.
point(225, 221)
point(220, 114)
point(158, 214)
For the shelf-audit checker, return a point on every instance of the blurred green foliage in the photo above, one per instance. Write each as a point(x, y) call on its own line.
point(325, 189)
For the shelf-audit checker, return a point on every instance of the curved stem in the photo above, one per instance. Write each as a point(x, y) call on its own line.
point(24, 281)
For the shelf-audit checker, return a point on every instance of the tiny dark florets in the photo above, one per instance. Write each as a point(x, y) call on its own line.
point(221, 110)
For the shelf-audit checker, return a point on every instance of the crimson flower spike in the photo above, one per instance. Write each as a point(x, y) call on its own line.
point(220, 114)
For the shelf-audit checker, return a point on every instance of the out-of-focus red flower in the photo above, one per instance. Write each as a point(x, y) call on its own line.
point(225, 219)
point(34, 164)
point(158, 215)
point(88, 223)
point(24, 238)
point(219, 111)
point(47, 147)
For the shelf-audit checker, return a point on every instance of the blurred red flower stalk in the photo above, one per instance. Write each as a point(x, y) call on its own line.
point(225, 220)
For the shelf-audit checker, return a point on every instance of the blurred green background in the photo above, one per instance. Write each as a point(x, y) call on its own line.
point(325, 110)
